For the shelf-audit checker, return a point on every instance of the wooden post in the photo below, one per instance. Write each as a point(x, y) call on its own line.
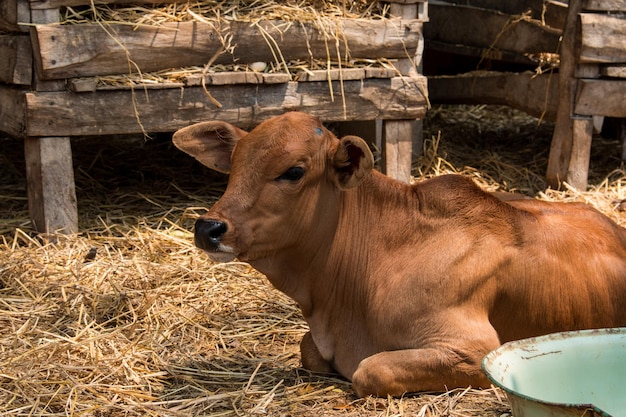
point(402, 139)
point(563, 137)
point(398, 137)
point(578, 167)
point(49, 169)
point(50, 177)
point(622, 137)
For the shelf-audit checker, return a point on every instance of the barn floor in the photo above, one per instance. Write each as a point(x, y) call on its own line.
point(128, 319)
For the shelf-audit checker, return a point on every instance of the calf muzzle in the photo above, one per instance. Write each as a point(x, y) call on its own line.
point(208, 234)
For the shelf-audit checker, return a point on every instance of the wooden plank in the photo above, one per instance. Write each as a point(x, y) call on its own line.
point(40, 83)
point(587, 71)
point(83, 85)
point(455, 24)
point(601, 97)
point(16, 67)
point(621, 136)
point(419, 8)
point(277, 78)
point(562, 136)
point(614, 71)
point(398, 136)
point(411, 64)
point(332, 74)
point(534, 94)
point(380, 72)
point(113, 112)
point(578, 168)
point(551, 12)
point(485, 53)
point(229, 78)
point(88, 49)
point(605, 5)
point(603, 38)
point(12, 110)
point(51, 192)
point(13, 12)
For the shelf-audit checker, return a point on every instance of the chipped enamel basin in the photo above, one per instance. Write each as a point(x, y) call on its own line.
point(580, 373)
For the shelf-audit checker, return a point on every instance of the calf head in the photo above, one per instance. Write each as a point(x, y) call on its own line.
point(286, 177)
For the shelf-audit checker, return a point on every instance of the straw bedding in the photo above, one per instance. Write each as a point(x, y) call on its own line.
point(129, 319)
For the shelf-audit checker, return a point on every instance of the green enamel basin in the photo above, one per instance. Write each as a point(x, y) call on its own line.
point(580, 373)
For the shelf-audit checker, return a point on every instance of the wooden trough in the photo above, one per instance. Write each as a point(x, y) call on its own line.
point(585, 40)
point(51, 90)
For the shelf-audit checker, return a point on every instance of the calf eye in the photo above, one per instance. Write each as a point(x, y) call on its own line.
point(292, 174)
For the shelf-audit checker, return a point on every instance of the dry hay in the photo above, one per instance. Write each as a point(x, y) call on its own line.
point(129, 319)
point(214, 10)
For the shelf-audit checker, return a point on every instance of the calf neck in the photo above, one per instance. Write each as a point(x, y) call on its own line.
point(405, 287)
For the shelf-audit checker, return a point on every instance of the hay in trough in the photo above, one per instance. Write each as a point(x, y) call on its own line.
point(323, 14)
point(215, 10)
point(129, 319)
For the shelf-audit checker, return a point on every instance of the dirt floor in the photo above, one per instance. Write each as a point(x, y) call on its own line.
point(129, 319)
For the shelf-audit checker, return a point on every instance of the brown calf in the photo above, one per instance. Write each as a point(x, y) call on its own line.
point(405, 287)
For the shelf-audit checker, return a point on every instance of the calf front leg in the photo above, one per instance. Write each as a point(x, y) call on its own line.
point(413, 370)
point(311, 357)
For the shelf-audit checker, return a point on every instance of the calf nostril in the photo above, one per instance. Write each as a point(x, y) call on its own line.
point(209, 233)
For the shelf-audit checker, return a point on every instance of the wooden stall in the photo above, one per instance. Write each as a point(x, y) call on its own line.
point(592, 85)
point(557, 61)
point(52, 82)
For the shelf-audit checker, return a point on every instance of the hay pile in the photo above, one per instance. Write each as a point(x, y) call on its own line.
point(128, 319)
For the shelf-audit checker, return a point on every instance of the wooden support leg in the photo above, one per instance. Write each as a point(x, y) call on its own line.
point(622, 137)
point(397, 146)
point(561, 147)
point(51, 192)
point(578, 167)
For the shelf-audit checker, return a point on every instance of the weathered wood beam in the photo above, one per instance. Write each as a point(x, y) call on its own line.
point(13, 12)
point(562, 138)
point(485, 53)
point(123, 112)
point(401, 137)
point(470, 26)
point(16, 66)
point(13, 110)
point(91, 49)
point(578, 166)
point(614, 71)
point(603, 38)
point(551, 12)
point(605, 5)
point(534, 94)
point(397, 152)
point(51, 190)
point(601, 97)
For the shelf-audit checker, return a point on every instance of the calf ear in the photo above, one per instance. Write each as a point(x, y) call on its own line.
point(352, 161)
point(211, 143)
